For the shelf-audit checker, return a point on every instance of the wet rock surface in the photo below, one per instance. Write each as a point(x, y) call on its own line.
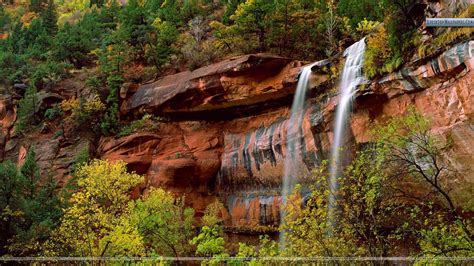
point(206, 149)
point(241, 159)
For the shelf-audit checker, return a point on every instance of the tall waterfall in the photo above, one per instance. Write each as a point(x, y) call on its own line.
point(293, 167)
point(352, 76)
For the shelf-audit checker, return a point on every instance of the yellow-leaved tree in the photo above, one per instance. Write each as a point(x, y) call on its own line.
point(96, 222)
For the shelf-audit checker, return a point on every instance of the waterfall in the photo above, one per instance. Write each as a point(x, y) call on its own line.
point(352, 76)
point(293, 167)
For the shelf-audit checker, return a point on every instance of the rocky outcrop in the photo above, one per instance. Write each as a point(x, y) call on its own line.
point(224, 134)
point(239, 159)
point(242, 82)
point(7, 120)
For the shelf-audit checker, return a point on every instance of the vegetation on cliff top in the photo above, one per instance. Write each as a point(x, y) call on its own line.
point(42, 40)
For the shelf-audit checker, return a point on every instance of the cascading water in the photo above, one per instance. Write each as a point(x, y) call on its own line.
point(293, 168)
point(352, 76)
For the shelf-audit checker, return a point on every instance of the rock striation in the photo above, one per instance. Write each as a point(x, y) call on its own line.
point(239, 159)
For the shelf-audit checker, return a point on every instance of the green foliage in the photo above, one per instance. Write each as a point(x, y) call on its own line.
point(163, 222)
point(212, 214)
point(53, 113)
point(112, 60)
point(26, 113)
point(48, 72)
point(209, 242)
point(366, 26)
point(136, 29)
point(13, 67)
point(378, 53)
point(230, 8)
point(447, 239)
point(82, 158)
point(30, 207)
point(375, 210)
point(9, 186)
point(400, 26)
point(96, 211)
point(307, 228)
point(147, 122)
point(74, 42)
point(50, 18)
point(265, 248)
point(251, 18)
point(166, 36)
point(81, 111)
point(361, 10)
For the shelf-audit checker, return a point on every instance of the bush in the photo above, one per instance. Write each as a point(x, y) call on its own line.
point(378, 53)
point(81, 111)
point(26, 113)
point(48, 72)
point(147, 122)
point(367, 26)
point(53, 113)
point(13, 67)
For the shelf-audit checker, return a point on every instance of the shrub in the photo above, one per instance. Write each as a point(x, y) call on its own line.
point(367, 26)
point(378, 53)
point(26, 113)
point(81, 111)
point(53, 113)
point(147, 122)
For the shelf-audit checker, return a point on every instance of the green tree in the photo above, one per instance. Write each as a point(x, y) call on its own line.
point(209, 242)
point(75, 42)
point(358, 10)
point(167, 35)
point(9, 188)
point(136, 29)
point(400, 26)
point(163, 222)
point(97, 209)
point(251, 17)
point(50, 18)
point(230, 8)
point(37, 5)
point(26, 113)
point(112, 61)
point(39, 206)
point(416, 153)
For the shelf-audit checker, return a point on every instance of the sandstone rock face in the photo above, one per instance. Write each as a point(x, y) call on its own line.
point(7, 119)
point(237, 82)
point(240, 159)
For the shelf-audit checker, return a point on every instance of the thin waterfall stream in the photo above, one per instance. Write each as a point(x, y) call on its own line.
point(352, 76)
point(293, 167)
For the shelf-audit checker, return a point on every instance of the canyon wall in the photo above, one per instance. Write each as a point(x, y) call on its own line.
point(222, 130)
point(209, 149)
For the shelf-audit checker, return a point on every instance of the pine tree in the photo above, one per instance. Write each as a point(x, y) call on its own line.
point(251, 17)
point(36, 5)
point(9, 190)
point(39, 206)
point(50, 19)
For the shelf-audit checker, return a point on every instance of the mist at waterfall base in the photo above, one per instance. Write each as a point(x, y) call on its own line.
point(293, 167)
point(352, 76)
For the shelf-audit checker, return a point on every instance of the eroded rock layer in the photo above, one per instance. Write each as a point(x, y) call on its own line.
point(240, 159)
point(213, 149)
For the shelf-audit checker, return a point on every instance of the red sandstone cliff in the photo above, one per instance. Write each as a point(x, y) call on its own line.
point(212, 150)
point(224, 132)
